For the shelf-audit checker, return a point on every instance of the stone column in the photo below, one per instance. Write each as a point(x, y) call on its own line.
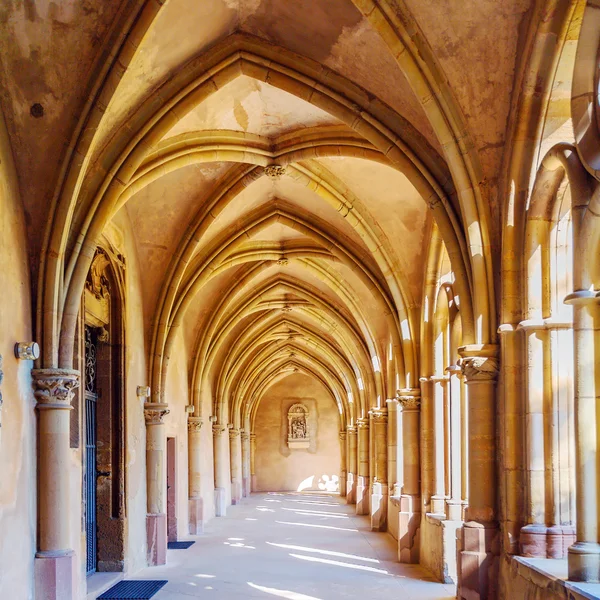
point(220, 468)
point(55, 577)
point(235, 456)
point(352, 474)
point(478, 540)
point(253, 462)
point(195, 506)
point(343, 464)
point(362, 484)
point(156, 482)
point(584, 554)
point(379, 495)
point(454, 507)
point(409, 403)
point(438, 499)
point(245, 464)
point(394, 454)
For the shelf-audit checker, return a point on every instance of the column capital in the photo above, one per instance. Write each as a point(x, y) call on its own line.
point(409, 398)
point(195, 424)
point(252, 437)
point(351, 430)
point(154, 412)
point(379, 415)
point(218, 428)
point(362, 423)
point(233, 433)
point(342, 436)
point(245, 435)
point(55, 388)
point(479, 362)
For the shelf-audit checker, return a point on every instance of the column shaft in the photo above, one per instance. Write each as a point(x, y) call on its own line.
point(235, 457)
point(352, 472)
point(195, 504)
point(245, 464)
point(221, 468)
point(362, 486)
point(253, 462)
point(379, 495)
point(343, 463)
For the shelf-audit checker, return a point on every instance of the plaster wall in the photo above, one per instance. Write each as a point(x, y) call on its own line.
point(277, 467)
point(17, 414)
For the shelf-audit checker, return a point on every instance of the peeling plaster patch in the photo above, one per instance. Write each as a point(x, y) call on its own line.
point(241, 116)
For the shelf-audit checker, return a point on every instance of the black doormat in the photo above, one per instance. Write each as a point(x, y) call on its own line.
point(179, 545)
point(133, 590)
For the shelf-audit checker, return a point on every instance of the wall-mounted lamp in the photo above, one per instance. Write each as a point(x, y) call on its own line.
point(143, 391)
point(189, 408)
point(27, 350)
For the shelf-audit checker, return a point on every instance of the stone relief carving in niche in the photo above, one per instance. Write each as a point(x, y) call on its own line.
point(298, 433)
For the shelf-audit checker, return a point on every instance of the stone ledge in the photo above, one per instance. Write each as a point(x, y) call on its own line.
point(552, 572)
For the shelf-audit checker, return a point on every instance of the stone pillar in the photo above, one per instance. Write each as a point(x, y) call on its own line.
point(478, 540)
point(584, 554)
point(438, 499)
point(253, 462)
point(454, 506)
point(409, 404)
point(220, 467)
point(55, 577)
point(156, 482)
point(195, 505)
point(379, 495)
point(352, 474)
point(394, 455)
point(362, 484)
point(235, 456)
point(343, 463)
point(245, 464)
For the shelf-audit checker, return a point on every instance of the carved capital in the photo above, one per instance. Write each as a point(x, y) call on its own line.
point(283, 261)
point(362, 423)
point(274, 172)
point(233, 433)
point(55, 388)
point(342, 436)
point(350, 430)
point(252, 438)
point(479, 368)
point(379, 415)
point(154, 412)
point(245, 436)
point(218, 428)
point(409, 399)
point(195, 424)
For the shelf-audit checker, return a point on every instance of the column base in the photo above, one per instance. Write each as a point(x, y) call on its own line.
point(350, 488)
point(379, 502)
point(584, 562)
point(156, 535)
point(55, 576)
point(220, 502)
point(236, 492)
point(362, 496)
point(408, 529)
point(196, 515)
point(343, 487)
point(477, 550)
point(539, 541)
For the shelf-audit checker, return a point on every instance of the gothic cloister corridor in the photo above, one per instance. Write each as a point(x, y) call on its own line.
point(347, 248)
point(294, 546)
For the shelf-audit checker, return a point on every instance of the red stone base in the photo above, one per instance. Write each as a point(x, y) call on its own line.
point(539, 541)
point(477, 546)
point(196, 515)
point(55, 577)
point(409, 521)
point(156, 534)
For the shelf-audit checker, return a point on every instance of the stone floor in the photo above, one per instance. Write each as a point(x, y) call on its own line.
point(295, 546)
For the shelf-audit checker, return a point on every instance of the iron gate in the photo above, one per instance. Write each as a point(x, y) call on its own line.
point(90, 475)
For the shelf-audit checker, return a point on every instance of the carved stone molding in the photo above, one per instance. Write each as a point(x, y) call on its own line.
point(154, 412)
point(409, 399)
point(283, 261)
point(96, 281)
point(286, 308)
point(362, 423)
point(274, 172)
point(252, 437)
point(245, 436)
point(233, 433)
point(342, 436)
point(195, 424)
point(55, 388)
point(350, 430)
point(480, 368)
